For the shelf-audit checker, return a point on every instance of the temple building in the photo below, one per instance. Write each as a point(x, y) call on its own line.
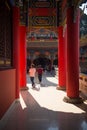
point(46, 32)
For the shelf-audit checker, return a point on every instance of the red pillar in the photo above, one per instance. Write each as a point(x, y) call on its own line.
point(16, 47)
point(23, 57)
point(72, 63)
point(61, 59)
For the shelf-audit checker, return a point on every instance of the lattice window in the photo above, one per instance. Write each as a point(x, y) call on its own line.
point(5, 35)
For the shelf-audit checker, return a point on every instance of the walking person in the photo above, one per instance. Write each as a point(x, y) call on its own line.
point(32, 72)
point(39, 72)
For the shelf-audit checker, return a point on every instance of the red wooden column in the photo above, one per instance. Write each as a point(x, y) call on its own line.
point(72, 63)
point(23, 57)
point(61, 59)
point(16, 47)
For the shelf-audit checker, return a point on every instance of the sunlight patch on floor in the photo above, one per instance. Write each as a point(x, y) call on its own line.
point(52, 99)
point(23, 105)
point(52, 79)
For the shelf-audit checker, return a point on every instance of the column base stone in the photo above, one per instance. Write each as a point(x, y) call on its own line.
point(73, 100)
point(24, 88)
point(17, 100)
point(61, 88)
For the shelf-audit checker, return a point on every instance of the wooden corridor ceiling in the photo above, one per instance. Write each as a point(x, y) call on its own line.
point(44, 17)
point(42, 20)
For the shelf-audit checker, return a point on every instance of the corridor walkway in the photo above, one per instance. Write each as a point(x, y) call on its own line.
point(44, 110)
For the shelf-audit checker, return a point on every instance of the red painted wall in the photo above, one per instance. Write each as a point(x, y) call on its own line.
point(7, 89)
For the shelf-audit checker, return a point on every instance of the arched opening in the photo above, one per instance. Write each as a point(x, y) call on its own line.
point(42, 60)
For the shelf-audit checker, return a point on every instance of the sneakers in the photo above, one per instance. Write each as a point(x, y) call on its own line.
point(36, 87)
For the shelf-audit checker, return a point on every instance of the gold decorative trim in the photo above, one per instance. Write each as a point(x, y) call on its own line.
point(83, 40)
point(8, 62)
point(1, 62)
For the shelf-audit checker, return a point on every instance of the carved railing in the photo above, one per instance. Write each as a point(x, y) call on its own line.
point(83, 83)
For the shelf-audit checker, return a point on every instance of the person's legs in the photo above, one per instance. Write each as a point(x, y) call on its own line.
point(40, 78)
point(32, 81)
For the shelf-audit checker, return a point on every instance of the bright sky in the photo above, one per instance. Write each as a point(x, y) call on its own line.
point(84, 7)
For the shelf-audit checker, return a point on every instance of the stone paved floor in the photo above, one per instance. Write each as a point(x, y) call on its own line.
point(44, 110)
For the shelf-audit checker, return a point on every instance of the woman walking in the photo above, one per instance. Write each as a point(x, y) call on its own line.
point(32, 72)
